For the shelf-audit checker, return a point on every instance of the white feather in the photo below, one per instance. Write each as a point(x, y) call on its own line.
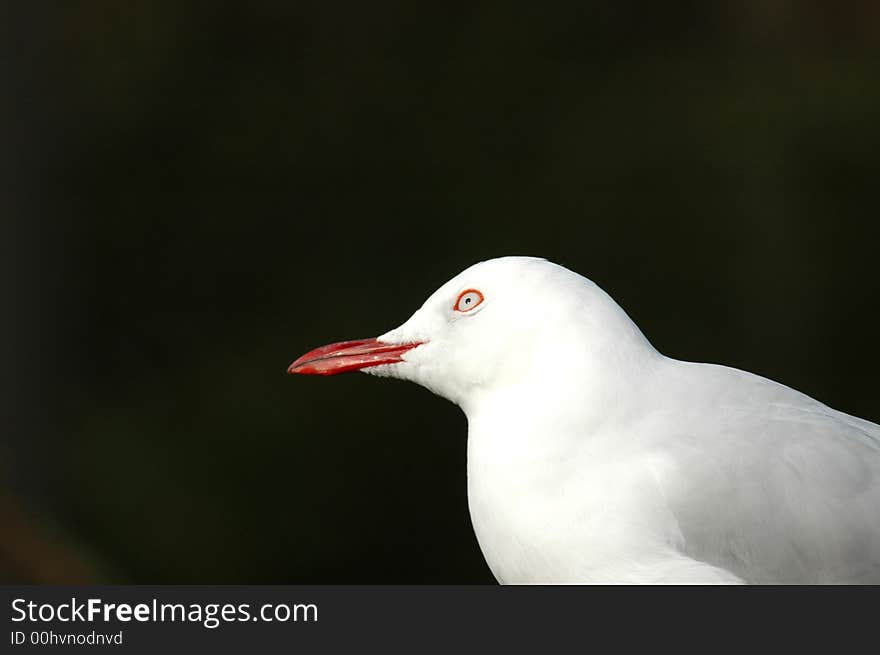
point(594, 458)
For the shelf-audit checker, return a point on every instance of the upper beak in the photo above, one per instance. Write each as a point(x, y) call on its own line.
point(349, 356)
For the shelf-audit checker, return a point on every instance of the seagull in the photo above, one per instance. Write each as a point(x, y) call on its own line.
point(594, 459)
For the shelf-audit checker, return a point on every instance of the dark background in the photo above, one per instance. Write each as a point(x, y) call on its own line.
point(193, 194)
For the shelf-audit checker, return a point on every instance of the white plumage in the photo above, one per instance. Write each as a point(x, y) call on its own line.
point(592, 458)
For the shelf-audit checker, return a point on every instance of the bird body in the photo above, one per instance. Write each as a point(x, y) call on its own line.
point(593, 458)
point(787, 494)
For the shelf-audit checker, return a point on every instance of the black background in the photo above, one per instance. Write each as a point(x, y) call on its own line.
point(196, 193)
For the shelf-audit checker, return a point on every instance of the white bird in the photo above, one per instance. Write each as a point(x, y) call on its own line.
point(593, 458)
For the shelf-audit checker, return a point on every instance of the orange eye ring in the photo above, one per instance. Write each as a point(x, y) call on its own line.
point(467, 300)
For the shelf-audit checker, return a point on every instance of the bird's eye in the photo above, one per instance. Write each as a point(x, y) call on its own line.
point(467, 300)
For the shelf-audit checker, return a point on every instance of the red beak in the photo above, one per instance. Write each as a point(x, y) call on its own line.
point(348, 356)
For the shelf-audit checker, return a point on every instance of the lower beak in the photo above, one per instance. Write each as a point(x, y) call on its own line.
point(349, 356)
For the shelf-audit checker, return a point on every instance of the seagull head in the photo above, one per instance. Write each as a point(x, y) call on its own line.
point(499, 324)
